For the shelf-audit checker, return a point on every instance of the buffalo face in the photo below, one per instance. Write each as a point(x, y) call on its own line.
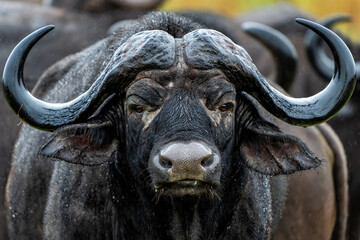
point(184, 120)
point(188, 129)
point(180, 132)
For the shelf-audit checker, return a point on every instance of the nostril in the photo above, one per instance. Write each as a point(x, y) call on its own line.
point(165, 163)
point(207, 161)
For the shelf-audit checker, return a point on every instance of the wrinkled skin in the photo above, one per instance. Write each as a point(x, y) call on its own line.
point(126, 197)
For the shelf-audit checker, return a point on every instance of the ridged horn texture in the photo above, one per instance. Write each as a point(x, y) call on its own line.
point(207, 49)
point(144, 49)
point(323, 65)
point(281, 48)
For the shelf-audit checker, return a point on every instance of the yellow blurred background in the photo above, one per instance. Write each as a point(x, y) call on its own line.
point(319, 8)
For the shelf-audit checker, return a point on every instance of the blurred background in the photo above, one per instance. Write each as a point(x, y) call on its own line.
point(231, 8)
point(319, 8)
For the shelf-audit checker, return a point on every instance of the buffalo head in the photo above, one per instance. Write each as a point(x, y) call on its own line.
point(178, 117)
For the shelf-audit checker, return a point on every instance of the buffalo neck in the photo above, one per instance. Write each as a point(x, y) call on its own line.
point(185, 224)
point(142, 214)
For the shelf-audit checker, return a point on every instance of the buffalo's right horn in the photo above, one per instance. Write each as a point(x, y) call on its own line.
point(157, 50)
point(281, 48)
point(117, 74)
point(318, 58)
point(38, 113)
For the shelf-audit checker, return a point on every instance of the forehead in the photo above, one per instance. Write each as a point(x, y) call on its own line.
point(196, 58)
point(181, 75)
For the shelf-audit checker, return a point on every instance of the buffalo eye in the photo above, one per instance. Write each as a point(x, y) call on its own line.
point(137, 108)
point(226, 107)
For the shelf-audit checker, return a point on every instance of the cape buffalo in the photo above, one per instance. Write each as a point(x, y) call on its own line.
point(72, 28)
point(167, 130)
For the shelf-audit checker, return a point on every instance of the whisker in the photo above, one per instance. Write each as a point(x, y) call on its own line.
point(158, 194)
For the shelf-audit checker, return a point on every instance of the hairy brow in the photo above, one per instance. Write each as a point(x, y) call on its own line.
point(148, 91)
point(214, 90)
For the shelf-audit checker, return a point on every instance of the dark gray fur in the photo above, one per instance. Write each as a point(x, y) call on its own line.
point(61, 200)
point(74, 32)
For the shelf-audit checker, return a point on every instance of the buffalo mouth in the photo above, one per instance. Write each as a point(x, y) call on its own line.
point(186, 187)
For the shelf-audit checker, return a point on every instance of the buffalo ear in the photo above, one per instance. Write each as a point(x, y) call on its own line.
point(267, 150)
point(86, 144)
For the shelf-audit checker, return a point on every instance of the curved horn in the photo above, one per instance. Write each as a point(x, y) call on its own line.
point(323, 65)
point(281, 48)
point(157, 49)
point(325, 104)
point(39, 114)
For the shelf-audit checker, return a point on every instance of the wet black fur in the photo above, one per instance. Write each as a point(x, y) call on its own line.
point(238, 208)
point(181, 118)
point(161, 217)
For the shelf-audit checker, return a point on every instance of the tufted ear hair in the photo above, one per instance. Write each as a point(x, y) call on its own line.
point(91, 143)
point(267, 150)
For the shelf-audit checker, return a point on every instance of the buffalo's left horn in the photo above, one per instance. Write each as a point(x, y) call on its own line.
point(38, 113)
point(319, 60)
point(281, 48)
point(323, 105)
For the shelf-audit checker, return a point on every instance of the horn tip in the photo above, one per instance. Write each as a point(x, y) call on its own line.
point(302, 20)
point(246, 26)
point(48, 27)
point(44, 30)
point(255, 28)
point(309, 24)
point(341, 17)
